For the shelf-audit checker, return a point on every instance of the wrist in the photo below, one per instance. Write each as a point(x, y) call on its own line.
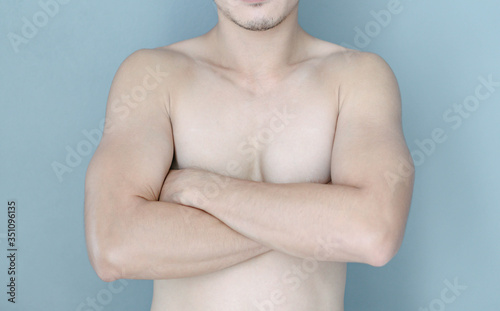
point(202, 189)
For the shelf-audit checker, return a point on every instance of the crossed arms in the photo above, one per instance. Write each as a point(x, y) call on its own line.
point(141, 225)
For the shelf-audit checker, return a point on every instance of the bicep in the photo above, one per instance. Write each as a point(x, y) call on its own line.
point(369, 142)
point(136, 149)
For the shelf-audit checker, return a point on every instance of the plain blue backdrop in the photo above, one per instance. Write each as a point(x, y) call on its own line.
point(56, 67)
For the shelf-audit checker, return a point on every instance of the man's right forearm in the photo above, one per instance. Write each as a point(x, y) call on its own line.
point(160, 240)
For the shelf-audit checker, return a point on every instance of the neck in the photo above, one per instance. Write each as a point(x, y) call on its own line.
point(258, 53)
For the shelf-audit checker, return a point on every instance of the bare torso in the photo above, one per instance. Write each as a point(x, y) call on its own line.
point(278, 130)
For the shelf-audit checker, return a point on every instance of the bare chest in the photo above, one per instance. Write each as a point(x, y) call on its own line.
point(284, 136)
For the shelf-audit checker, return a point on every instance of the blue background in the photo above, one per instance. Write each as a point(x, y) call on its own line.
point(55, 87)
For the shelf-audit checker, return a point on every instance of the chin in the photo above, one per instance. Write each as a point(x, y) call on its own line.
point(256, 15)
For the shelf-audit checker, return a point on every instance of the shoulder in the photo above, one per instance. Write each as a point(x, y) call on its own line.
point(359, 72)
point(352, 72)
point(366, 66)
point(351, 63)
point(366, 72)
point(362, 81)
point(142, 60)
point(336, 60)
point(149, 68)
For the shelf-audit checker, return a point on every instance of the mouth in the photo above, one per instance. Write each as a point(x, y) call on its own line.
point(254, 1)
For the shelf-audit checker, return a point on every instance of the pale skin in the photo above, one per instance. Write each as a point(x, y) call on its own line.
point(241, 170)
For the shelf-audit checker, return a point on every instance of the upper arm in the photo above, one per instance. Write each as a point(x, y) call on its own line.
point(369, 150)
point(134, 155)
point(136, 148)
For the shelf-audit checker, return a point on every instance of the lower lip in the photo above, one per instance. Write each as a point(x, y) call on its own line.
point(254, 1)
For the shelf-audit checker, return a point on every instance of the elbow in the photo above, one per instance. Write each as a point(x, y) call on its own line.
point(104, 267)
point(383, 249)
point(375, 249)
point(384, 236)
point(381, 256)
point(102, 245)
point(101, 257)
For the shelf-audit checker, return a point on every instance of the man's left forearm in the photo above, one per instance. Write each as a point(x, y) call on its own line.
point(335, 222)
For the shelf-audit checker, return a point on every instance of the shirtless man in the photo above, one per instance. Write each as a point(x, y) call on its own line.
point(241, 170)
